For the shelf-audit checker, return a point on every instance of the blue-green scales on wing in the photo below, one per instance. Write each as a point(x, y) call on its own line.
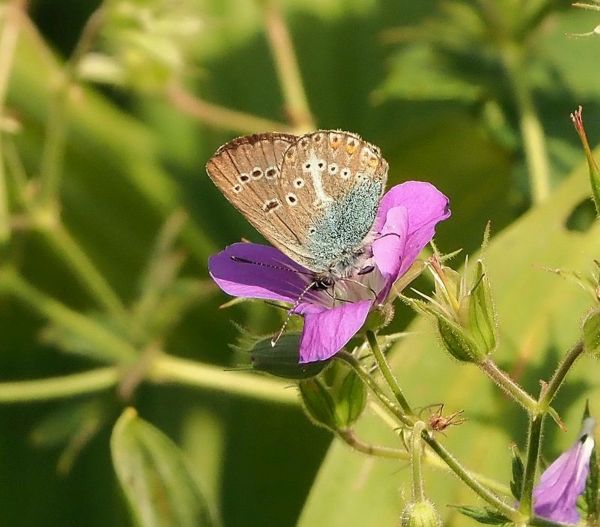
point(314, 197)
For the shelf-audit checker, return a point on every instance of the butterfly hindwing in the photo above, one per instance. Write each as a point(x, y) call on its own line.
point(331, 181)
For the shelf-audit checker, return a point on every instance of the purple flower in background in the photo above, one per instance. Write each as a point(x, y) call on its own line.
point(405, 223)
point(555, 497)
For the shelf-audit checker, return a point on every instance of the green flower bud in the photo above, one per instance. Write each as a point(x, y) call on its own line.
point(281, 360)
point(420, 514)
point(464, 311)
point(336, 398)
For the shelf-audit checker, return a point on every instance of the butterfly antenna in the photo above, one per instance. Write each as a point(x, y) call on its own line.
point(276, 338)
point(269, 266)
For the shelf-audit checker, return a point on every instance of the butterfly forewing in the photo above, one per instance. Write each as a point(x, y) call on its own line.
point(247, 170)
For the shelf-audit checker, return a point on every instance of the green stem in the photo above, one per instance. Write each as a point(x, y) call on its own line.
point(217, 116)
point(106, 344)
point(468, 479)
point(51, 165)
point(288, 71)
point(387, 373)
point(374, 387)
point(64, 246)
point(176, 370)
point(59, 387)
point(350, 438)
point(8, 44)
point(533, 453)
point(534, 143)
point(415, 461)
point(509, 386)
point(559, 375)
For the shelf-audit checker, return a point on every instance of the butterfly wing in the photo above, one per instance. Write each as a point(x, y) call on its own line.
point(332, 182)
point(247, 171)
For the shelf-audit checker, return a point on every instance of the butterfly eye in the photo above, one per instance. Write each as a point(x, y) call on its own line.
point(257, 173)
point(271, 173)
point(321, 164)
point(307, 166)
point(333, 168)
point(298, 182)
point(243, 178)
point(237, 188)
point(345, 173)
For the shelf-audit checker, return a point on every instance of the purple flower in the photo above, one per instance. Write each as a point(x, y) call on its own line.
point(555, 497)
point(405, 223)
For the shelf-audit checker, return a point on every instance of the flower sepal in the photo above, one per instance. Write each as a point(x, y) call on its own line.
point(420, 514)
point(463, 309)
point(335, 399)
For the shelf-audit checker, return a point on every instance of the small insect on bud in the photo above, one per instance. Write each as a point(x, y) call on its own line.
point(420, 514)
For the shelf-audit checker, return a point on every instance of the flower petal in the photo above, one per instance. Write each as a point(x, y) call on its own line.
point(424, 202)
point(327, 331)
point(266, 273)
point(555, 497)
point(389, 247)
point(411, 210)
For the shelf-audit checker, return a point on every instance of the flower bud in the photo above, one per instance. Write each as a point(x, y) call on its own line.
point(420, 514)
point(280, 360)
point(335, 399)
point(464, 311)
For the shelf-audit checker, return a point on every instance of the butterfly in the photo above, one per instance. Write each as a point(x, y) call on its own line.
point(314, 196)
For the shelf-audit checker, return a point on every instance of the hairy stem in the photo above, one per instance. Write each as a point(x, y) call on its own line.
point(385, 369)
point(471, 482)
point(374, 387)
point(559, 375)
point(533, 453)
point(286, 63)
point(349, 437)
point(510, 387)
point(415, 461)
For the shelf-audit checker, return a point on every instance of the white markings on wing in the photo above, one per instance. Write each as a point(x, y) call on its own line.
point(315, 167)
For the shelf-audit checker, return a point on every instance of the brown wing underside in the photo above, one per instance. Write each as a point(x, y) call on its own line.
point(282, 183)
point(247, 171)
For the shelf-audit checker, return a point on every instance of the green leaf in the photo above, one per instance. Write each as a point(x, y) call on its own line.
point(516, 483)
point(485, 516)
point(591, 333)
point(157, 484)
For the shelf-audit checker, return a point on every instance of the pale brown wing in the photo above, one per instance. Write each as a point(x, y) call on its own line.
point(247, 171)
point(330, 185)
point(326, 165)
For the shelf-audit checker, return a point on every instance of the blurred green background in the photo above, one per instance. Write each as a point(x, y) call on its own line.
point(107, 219)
